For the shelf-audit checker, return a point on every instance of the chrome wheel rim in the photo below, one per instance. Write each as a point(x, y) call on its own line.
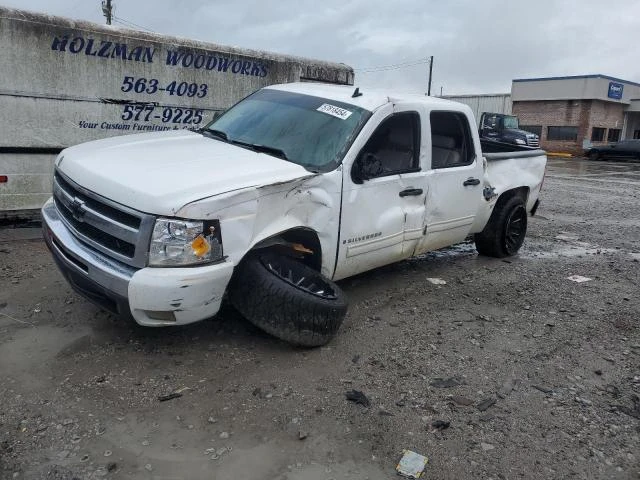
point(310, 283)
point(515, 229)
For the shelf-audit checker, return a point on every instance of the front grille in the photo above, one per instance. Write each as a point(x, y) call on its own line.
point(109, 241)
point(533, 141)
point(115, 230)
point(117, 215)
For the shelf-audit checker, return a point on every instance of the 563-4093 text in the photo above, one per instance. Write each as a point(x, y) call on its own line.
point(152, 85)
point(148, 113)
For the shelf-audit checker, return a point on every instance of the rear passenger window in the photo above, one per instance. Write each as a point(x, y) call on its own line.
point(451, 141)
point(396, 143)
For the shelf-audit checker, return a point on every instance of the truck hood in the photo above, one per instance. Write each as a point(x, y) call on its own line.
point(159, 173)
point(517, 131)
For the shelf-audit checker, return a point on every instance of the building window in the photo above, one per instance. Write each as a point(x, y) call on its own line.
point(537, 129)
point(614, 135)
point(597, 134)
point(562, 133)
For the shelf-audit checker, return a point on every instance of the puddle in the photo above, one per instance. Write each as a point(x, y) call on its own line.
point(565, 245)
point(569, 252)
point(569, 246)
point(579, 278)
point(177, 452)
point(582, 168)
point(24, 355)
point(448, 252)
point(568, 238)
point(336, 470)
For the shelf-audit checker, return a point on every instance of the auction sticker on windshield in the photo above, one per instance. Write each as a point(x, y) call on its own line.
point(334, 111)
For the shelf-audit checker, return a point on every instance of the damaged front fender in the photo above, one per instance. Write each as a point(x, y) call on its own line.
point(252, 215)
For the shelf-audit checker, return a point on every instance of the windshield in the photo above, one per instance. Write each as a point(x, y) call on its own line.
point(311, 131)
point(510, 122)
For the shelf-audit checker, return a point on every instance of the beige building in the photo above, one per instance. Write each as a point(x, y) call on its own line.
point(572, 113)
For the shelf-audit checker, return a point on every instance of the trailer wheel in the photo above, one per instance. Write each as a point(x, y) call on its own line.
point(287, 299)
point(504, 233)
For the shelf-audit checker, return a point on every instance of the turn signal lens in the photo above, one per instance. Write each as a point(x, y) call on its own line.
point(200, 246)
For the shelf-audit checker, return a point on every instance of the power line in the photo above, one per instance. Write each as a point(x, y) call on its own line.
point(386, 69)
point(128, 24)
point(398, 66)
point(124, 24)
point(394, 66)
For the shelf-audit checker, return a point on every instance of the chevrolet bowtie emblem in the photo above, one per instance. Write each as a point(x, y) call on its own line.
point(77, 209)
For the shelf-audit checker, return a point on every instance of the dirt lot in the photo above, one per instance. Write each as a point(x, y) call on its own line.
point(539, 374)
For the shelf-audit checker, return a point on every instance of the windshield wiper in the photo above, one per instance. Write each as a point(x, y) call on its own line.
point(214, 133)
point(256, 147)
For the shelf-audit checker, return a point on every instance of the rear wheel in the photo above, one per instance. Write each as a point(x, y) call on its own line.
point(287, 299)
point(504, 233)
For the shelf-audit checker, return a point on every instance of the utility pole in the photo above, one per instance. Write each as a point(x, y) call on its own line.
point(107, 10)
point(430, 73)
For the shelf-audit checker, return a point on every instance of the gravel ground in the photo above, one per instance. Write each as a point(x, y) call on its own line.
point(536, 376)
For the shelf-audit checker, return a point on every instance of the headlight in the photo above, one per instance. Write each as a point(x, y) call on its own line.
point(520, 141)
point(176, 243)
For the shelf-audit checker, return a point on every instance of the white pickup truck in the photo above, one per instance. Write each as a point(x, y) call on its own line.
point(293, 188)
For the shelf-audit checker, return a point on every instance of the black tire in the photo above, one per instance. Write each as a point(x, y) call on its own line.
point(504, 233)
point(594, 155)
point(281, 296)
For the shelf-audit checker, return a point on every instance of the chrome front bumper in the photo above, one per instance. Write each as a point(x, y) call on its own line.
point(154, 297)
point(95, 276)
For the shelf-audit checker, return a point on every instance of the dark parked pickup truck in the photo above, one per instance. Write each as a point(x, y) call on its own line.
point(505, 129)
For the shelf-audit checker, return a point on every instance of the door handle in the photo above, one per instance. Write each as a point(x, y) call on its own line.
point(411, 192)
point(471, 181)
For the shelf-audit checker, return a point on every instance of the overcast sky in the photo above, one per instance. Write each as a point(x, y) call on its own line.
point(479, 46)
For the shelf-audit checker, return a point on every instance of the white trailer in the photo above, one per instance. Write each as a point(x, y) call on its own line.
point(65, 82)
point(492, 102)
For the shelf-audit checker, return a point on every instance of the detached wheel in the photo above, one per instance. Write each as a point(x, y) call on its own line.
point(504, 233)
point(287, 299)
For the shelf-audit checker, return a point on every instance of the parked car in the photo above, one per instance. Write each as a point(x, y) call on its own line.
point(293, 188)
point(623, 149)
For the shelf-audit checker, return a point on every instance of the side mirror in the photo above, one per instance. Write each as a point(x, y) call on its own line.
point(366, 167)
